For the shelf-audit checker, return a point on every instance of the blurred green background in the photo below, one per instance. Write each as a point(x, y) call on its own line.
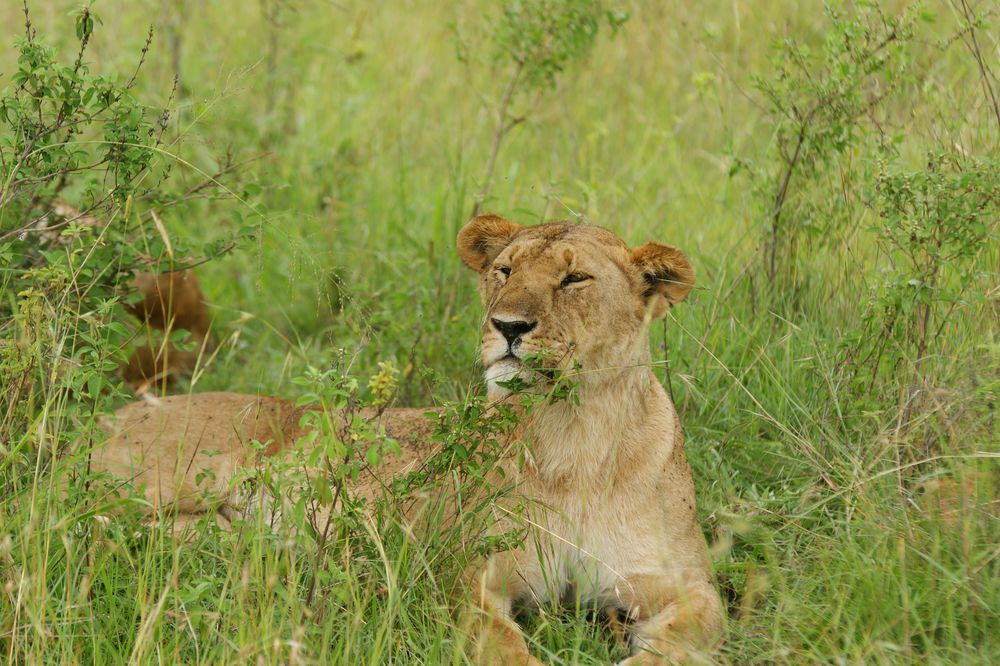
point(848, 526)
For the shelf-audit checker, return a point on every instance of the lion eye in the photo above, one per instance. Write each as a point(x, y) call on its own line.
point(505, 270)
point(573, 277)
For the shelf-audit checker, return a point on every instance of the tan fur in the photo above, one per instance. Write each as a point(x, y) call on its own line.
point(169, 302)
point(610, 499)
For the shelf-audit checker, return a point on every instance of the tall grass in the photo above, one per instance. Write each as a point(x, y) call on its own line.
point(851, 520)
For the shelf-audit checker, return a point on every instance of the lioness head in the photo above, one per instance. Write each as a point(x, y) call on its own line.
point(565, 295)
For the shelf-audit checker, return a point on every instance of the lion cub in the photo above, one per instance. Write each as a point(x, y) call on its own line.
point(612, 506)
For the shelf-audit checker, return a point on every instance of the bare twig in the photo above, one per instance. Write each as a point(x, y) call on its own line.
point(142, 59)
point(504, 124)
point(782, 194)
point(212, 180)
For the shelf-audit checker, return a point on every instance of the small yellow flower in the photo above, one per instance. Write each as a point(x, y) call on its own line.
point(383, 384)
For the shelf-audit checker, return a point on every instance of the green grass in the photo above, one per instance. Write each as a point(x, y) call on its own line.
point(815, 500)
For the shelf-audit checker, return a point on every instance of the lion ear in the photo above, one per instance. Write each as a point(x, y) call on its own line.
point(667, 274)
point(483, 238)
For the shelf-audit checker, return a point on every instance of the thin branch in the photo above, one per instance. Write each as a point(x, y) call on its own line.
point(984, 70)
point(212, 180)
point(503, 125)
point(29, 31)
point(142, 59)
point(782, 194)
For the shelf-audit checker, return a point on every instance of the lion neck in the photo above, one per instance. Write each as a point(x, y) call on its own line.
point(588, 442)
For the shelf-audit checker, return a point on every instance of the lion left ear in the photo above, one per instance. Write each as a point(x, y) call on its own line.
point(667, 273)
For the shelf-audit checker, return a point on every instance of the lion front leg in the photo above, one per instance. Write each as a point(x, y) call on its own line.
point(676, 621)
point(497, 638)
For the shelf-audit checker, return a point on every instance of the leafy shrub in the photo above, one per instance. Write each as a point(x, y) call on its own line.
point(823, 103)
point(535, 40)
point(933, 229)
point(66, 131)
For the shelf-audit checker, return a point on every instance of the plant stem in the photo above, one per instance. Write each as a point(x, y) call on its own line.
point(503, 125)
point(977, 53)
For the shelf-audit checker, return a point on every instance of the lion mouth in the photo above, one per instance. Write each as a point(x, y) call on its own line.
point(510, 367)
point(508, 356)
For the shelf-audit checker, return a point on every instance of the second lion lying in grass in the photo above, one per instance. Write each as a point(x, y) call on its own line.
point(612, 506)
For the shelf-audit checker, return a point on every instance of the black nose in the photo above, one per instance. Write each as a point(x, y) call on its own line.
point(513, 330)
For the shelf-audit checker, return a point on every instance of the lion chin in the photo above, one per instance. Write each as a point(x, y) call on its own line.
point(500, 373)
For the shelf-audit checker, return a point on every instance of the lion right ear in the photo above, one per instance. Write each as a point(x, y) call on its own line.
point(483, 238)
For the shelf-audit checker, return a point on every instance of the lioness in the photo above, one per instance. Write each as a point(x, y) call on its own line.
point(612, 502)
